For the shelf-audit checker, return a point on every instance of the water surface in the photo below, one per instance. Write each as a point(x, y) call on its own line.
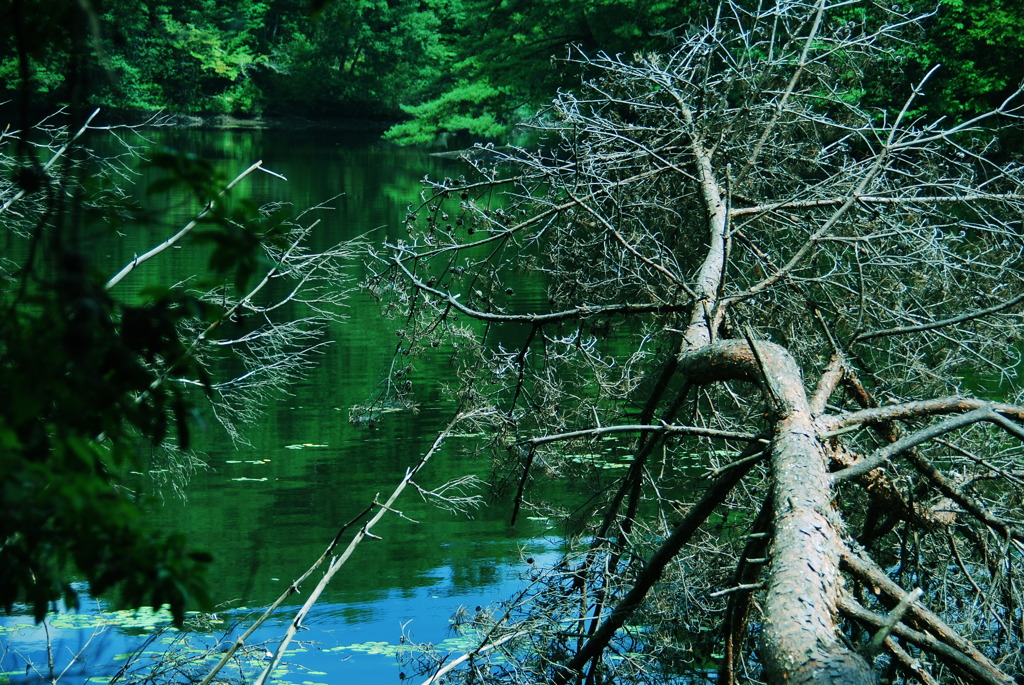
point(267, 509)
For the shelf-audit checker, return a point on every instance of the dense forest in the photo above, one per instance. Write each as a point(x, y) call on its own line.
point(438, 67)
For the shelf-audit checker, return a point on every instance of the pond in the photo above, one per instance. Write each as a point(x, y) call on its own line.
point(266, 510)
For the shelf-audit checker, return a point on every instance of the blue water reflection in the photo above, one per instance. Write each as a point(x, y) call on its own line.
point(362, 639)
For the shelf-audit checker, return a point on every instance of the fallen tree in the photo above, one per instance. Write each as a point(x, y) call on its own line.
point(735, 256)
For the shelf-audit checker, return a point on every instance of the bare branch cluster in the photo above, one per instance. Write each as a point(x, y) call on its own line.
point(272, 334)
point(778, 310)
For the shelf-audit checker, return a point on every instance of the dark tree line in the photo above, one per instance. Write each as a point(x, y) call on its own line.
point(454, 69)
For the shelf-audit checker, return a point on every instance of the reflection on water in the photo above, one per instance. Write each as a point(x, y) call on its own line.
point(355, 639)
point(267, 510)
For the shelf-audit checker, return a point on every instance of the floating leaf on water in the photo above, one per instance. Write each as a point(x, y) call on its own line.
point(460, 643)
point(137, 620)
point(600, 461)
point(16, 627)
point(378, 647)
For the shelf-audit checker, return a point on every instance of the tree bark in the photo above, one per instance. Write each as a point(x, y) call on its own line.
point(800, 643)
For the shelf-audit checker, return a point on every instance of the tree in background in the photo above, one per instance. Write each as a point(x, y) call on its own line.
point(356, 59)
point(457, 68)
point(776, 310)
point(502, 68)
point(508, 59)
point(981, 49)
point(353, 59)
point(192, 57)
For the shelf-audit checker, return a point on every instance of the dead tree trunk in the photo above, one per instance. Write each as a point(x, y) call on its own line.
point(801, 642)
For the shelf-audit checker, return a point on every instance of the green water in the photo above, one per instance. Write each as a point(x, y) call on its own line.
point(267, 510)
point(260, 530)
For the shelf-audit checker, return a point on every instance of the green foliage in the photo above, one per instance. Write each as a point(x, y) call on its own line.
point(354, 58)
point(451, 66)
point(470, 108)
point(199, 57)
point(78, 370)
point(35, 57)
point(980, 47)
point(357, 58)
point(503, 65)
point(503, 56)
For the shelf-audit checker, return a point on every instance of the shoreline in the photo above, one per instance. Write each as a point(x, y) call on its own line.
point(112, 116)
point(260, 123)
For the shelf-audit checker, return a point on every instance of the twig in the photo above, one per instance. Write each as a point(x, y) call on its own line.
point(292, 589)
point(744, 587)
point(867, 570)
point(777, 397)
point(580, 312)
point(651, 573)
point(56, 155)
point(953, 404)
point(895, 616)
point(951, 321)
point(339, 561)
point(780, 106)
point(469, 655)
point(980, 672)
point(128, 268)
point(646, 428)
point(985, 413)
